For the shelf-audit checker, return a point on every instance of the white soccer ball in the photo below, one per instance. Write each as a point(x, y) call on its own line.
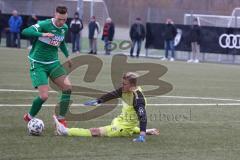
point(35, 127)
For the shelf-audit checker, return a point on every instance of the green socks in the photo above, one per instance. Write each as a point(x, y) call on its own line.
point(64, 103)
point(36, 106)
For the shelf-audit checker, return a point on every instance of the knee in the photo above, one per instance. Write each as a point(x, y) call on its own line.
point(44, 96)
point(67, 87)
point(95, 132)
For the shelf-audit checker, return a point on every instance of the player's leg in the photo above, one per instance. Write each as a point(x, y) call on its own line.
point(132, 47)
point(193, 50)
point(58, 75)
point(191, 53)
point(105, 39)
point(106, 131)
point(94, 46)
point(37, 102)
point(110, 130)
point(139, 45)
point(18, 40)
point(40, 81)
point(172, 48)
point(90, 46)
point(197, 52)
point(64, 84)
point(77, 43)
point(166, 46)
point(73, 42)
point(61, 130)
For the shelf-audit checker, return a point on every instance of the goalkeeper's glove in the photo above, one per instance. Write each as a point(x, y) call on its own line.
point(141, 138)
point(91, 103)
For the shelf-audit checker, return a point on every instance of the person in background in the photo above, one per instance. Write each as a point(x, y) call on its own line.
point(108, 34)
point(93, 32)
point(15, 22)
point(31, 21)
point(169, 35)
point(1, 25)
point(195, 35)
point(137, 35)
point(76, 26)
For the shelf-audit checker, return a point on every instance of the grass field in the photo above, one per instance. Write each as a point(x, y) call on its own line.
point(198, 120)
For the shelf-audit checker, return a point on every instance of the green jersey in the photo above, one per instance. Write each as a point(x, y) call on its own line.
point(45, 49)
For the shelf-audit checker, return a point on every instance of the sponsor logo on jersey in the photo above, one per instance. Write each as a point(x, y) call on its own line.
point(54, 41)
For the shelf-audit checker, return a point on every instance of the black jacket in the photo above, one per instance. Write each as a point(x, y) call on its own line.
point(195, 34)
point(76, 25)
point(170, 32)
point(92, 27)
point(137, 32)
point(2, 22)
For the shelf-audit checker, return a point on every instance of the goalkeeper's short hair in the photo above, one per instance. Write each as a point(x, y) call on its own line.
point(131, 77)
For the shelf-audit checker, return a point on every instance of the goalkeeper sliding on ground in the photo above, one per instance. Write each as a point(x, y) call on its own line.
point(132, 120)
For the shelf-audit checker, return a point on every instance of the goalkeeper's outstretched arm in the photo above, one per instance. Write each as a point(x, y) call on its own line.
point(106, 97)
point(111, 95)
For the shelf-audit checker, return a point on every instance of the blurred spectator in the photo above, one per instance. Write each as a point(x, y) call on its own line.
point(108, 34)
point(195, 35)
point(137, 35)
point(76, 26)
point(169, 35)
point(15, 23)
point(1, 25)
point(93, 31)
point(31, 21)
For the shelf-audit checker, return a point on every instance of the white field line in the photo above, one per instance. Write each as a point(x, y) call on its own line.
point(175, 97)
point(161, 104)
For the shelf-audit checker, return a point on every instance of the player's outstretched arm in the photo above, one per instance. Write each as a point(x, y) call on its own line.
point(106, 97)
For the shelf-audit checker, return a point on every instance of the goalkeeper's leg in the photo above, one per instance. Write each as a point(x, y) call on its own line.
point(61, 130)
point(110, 131)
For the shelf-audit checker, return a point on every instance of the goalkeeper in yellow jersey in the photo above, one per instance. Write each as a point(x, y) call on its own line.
point(132, 120)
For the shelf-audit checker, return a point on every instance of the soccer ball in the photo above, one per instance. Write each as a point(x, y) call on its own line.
point(35, 127)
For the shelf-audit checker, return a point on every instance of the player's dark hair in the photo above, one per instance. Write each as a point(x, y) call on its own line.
point(61, 9)
point(131, 77)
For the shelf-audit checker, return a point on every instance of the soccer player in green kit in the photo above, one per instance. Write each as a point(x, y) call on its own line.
point(49, 36)
point(132, 120)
